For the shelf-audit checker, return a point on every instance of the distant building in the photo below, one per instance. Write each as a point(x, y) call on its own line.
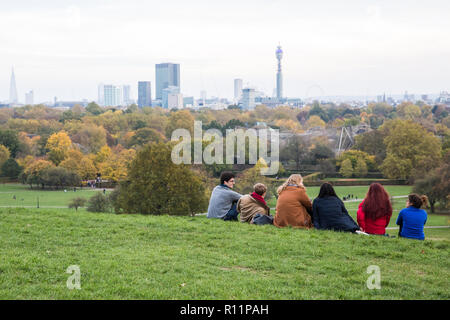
point(101, 95)
point(248, 99)
point(144, 94)
point(13, 97)
point(188, 102)
point(126, 89)
point(112, 95)
point(29, 97)
point(167, 75)
point(237, 90)
point(170, 98)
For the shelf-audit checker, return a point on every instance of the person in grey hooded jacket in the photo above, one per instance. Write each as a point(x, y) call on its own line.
point(222, 204)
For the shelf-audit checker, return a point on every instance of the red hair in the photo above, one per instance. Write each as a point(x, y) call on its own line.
point(376, 203)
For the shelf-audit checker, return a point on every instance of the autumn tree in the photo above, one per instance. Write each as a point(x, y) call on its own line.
point(360, 168)
point(315, 121)
point(4, 154)
point(59, 145)
point(180, 119)
point(346, 168)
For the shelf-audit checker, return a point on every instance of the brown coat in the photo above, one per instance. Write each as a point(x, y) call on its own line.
point(248, 206)
point(293, 208)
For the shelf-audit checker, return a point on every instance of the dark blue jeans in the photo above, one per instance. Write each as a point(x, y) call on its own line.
point(232, 214)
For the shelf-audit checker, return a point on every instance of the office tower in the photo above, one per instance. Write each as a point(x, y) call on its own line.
point(101, 95)
point(248, 99)
point(279, 55)
point(237, 90)
point(112, 95)
point(170, 91)
point(144, 94)
point(126, 95)
point(175, 100)
point(203, 97)
point(13, 89)
point(167, 74)
point(29, 97)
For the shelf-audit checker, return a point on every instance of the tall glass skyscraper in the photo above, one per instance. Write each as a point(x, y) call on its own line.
point(13, 89)
point(167, 74)
point(144, 94)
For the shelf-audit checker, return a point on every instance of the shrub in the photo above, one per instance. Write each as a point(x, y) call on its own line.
point(76, 203)
point(98, 203)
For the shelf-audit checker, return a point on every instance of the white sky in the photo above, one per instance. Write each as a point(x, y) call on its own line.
point(349, 47)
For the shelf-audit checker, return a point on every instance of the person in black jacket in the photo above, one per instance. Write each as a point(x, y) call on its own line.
point(329, 212)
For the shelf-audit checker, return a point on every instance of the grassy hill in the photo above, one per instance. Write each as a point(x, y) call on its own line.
point(162, 257)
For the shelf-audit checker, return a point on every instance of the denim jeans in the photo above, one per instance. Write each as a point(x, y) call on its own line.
point(232, 214)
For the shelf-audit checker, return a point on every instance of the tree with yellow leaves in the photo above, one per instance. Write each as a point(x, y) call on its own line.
point(59, 145)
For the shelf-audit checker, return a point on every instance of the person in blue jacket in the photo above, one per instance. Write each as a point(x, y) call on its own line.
point(413, 218)
point(329, 212)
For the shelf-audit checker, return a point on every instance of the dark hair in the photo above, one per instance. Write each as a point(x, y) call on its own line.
point(418, 201)
point(326, 190)
point(377, 203)
point(226, 176)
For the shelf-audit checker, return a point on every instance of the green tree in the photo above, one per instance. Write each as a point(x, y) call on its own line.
point(11, 169)
point(436, 185)
point(296, 150)
point(411, 150)
point(155, 185)
point(10, 139)
point(360, 168)
point(94, 108)
point(144, 136)
point(346, 168)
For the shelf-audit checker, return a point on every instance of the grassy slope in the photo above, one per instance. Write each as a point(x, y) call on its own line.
point(135, 256)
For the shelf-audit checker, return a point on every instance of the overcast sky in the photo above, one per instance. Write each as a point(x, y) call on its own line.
point(356, 47)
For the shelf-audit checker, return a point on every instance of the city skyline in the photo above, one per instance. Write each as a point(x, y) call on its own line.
point(360, 48)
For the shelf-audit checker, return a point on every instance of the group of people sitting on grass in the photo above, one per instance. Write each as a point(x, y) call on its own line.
point(326, 212)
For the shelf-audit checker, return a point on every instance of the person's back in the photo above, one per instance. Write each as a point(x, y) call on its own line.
point(251, 204)
point(412, 218)
point(375, 211)
point(329, 212)
point(369, 225)
point(293, 208)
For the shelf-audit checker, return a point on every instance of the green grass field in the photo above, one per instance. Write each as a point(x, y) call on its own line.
point(26, 197)
point(161, 257)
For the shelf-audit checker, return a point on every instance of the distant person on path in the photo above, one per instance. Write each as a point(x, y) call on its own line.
point(329, 212)
point(223, 200)
point(375, 211)
point(251, 204)
point(293, 208)
point(413, 218)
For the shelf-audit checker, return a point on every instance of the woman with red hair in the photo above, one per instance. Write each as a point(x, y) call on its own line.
point(375, 212)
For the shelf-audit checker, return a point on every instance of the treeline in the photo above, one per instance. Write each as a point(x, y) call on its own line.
point(409, 141)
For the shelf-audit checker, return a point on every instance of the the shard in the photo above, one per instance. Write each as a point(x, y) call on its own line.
point(13, 89)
